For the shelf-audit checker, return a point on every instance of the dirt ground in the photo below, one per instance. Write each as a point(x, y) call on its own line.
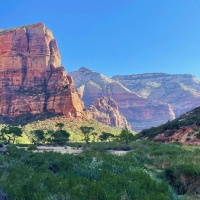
point(70, 150)
point(63, 150)
point(119, 153)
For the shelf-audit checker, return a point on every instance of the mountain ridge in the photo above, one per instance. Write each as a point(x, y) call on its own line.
point(181, 91)
point(140, 112)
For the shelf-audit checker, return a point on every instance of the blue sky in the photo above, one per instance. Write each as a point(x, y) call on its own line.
point(117, 36)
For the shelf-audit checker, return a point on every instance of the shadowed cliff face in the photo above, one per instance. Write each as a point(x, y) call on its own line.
point(31, 76)
point(106, 111)
point(140, 112)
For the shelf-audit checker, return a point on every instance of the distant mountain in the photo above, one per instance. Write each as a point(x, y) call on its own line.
point(185, 129)
point(181, 91)
point(105, 110)
point(140, 112)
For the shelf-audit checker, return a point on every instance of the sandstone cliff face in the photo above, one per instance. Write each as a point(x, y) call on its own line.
point(181, 91)
point(105, 110)
point(31, 76)
point(140, 112)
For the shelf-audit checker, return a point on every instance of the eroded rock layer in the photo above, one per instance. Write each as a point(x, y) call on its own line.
point(181, 91)
point(105, 110)
point(140, 112)
point(31, 76)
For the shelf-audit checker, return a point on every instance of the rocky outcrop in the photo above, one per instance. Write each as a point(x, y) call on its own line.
point(181, 91)
point(105, 110)
point(32, 79)
point(140, 112)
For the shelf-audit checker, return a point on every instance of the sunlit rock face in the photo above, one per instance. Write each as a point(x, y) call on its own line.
point(140, 112)
point(181, 91)
point(31, 76)
point(105, 110)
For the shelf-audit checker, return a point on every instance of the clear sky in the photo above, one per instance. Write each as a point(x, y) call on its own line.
point(117, 36)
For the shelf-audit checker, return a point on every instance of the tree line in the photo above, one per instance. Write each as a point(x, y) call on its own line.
point(8, 134)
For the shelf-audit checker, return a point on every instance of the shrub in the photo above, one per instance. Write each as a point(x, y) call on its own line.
point(32, 147)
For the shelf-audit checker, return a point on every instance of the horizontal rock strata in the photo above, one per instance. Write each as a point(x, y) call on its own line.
point(140, 112)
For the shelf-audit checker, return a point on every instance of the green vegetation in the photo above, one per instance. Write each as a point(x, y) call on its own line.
point(60, 137)
point(126, 135)
point(193, 120)
point(60, 130)
point(72, 126)
point(86, 132)
point(106, 136)
point(150, 171)
point(198, 135)
point(38, 136)
point(90, 175)
point(9, 134)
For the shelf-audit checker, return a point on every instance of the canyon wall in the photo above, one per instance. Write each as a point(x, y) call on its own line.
point(140, 112)
point(32, 79)
point(181, 91)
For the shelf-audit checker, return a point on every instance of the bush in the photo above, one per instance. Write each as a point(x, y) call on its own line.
point(32, 147)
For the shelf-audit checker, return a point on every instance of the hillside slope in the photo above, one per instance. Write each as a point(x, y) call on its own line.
point(185, 129)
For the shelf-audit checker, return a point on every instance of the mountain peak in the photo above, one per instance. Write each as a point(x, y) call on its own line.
point(82, 69)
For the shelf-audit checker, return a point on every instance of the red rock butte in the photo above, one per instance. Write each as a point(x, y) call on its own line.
point(32, 79)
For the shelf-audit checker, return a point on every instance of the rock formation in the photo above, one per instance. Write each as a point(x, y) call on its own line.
point(105, 110)
point(181, 91)
point(140, 112)
point(32, 79)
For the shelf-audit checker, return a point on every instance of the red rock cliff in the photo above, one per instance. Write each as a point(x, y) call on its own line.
point(31, 76)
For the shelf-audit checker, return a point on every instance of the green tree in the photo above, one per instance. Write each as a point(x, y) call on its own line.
point(11, 132)
point(94, 134)
point(38, 136)
point(2, 135)
point(60, 137)
point(106, 136)
point(86, 130)
point(60, 125)
point(126, 135)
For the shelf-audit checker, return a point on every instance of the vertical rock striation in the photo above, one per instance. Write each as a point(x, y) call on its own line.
point(32, 79)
